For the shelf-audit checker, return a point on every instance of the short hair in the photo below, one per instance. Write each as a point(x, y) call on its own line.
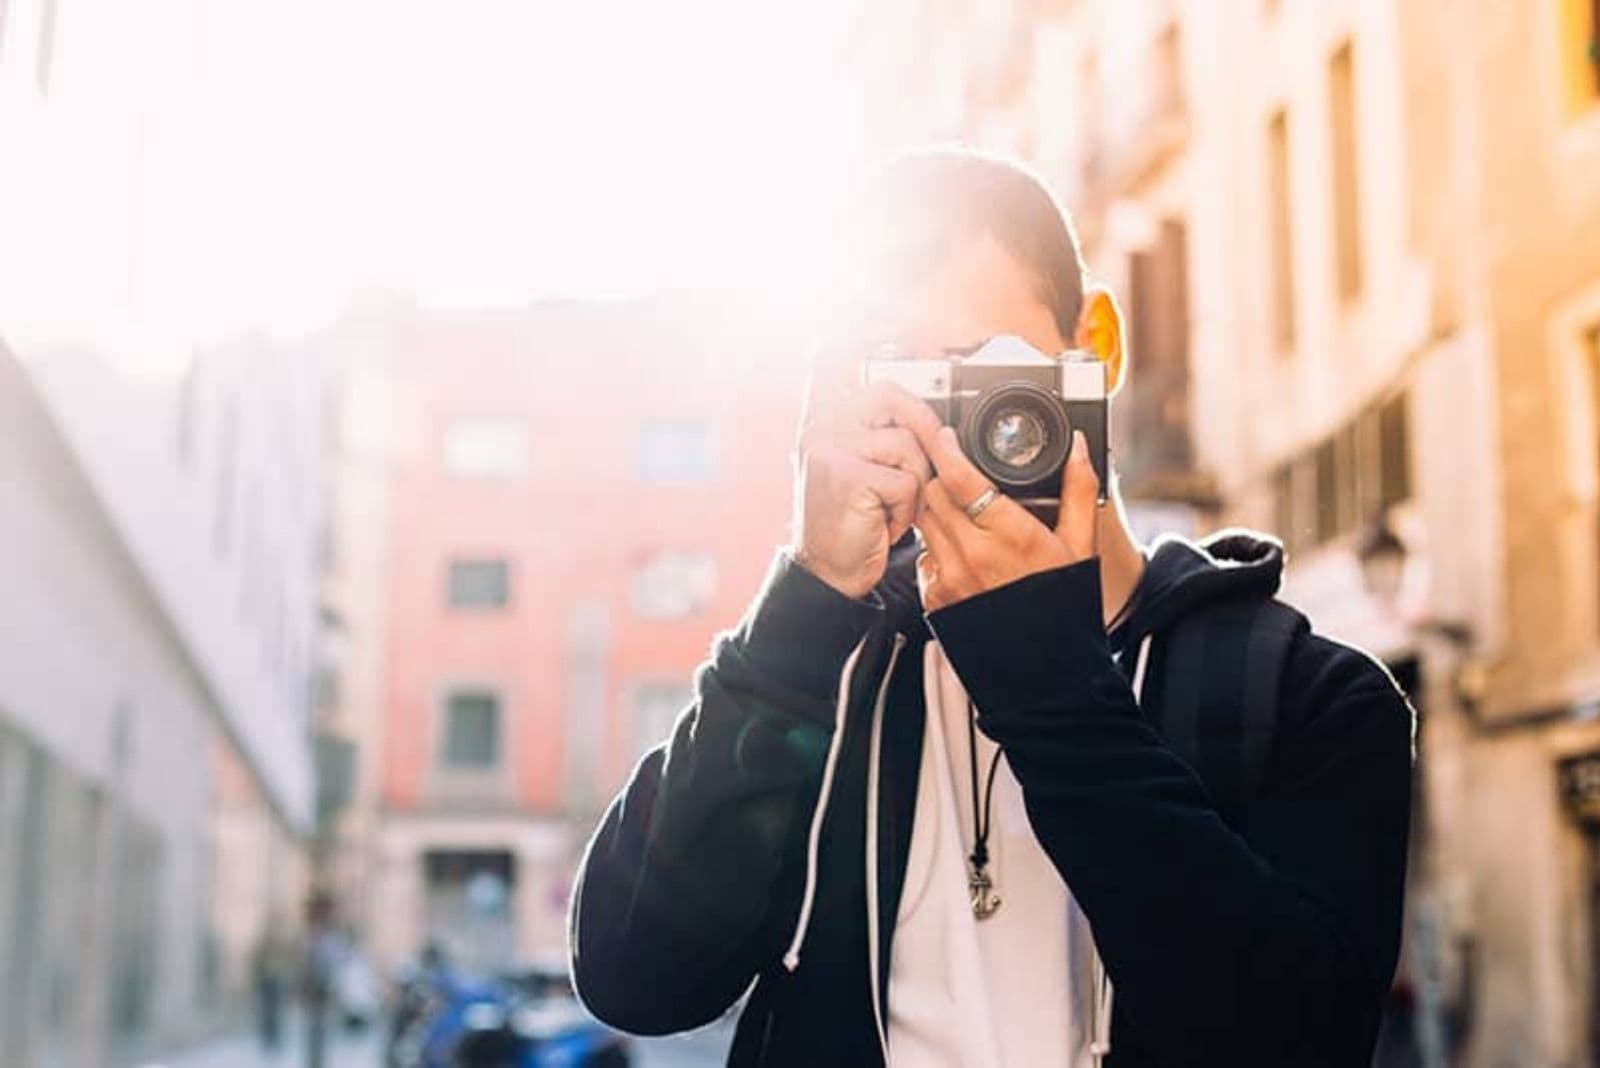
point(924, 205)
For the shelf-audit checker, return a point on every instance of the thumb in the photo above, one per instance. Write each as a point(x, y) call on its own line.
point(1077, 525)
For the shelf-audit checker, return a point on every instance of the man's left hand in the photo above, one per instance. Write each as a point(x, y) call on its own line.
point(968, 555)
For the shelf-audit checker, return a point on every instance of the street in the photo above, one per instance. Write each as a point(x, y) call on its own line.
point(706, 1048)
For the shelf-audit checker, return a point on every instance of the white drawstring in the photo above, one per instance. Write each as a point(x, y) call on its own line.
point(872, 842)
point(1100, 1025)
point(791, 959)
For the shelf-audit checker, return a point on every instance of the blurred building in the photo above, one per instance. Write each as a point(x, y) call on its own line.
point(1351, 241)
point(157, 577)
point(158, 565)
point(542, 518)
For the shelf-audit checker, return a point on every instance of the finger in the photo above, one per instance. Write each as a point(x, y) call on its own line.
point(969, 541)
point(894, 447)
point(937, 523)
point(964, 482)
point(890, 404)
point(998, 515)
point(1077, 525)
point(899, 492)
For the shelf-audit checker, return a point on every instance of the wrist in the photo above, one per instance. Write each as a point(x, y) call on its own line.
point(1040, 639)
point(853, 586)
point(800, 630)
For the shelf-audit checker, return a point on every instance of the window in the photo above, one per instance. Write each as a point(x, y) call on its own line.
point(1327, 476)
point(1346, 174)
point(472, 730)
point(479, 583)
point(674, 584)
point(1303, 495)
point(1394, 451)
point(1593, 354)
point(1294, 502)
point(1580, 54)
point(1283, 503)
point(1593, 351)
point(1346, 479)
point(1157, 398)
point(1592, 52)
point(1282, 249)
point(482, 447)
point(676, 453)
point(656, 706)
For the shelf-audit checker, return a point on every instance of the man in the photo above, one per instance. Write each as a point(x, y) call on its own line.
point(971, 788)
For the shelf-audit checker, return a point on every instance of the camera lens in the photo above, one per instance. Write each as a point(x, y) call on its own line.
point(1016, 437)
point(1017, 434)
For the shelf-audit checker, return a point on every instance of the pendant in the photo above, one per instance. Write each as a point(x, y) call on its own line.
point(985, 902)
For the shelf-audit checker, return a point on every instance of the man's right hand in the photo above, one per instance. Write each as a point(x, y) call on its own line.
point(858, 481)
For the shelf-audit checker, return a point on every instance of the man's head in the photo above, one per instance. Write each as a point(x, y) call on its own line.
point(953, 246)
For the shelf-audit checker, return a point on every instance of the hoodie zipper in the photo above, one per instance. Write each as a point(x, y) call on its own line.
point(873, 920)
point(1100, 1023)
point(791, 959)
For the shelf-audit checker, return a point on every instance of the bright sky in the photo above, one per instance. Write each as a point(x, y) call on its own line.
point(209, 165)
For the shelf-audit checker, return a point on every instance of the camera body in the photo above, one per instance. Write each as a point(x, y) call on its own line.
point(1014, 410)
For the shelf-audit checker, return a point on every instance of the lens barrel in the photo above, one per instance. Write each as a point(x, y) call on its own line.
point(1017, 433)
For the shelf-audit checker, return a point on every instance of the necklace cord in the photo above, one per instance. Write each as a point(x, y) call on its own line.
point(981, 823)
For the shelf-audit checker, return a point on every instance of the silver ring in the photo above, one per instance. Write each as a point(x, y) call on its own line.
point(985, 499)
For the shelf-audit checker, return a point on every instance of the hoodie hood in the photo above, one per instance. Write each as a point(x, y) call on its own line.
point(1181, 575)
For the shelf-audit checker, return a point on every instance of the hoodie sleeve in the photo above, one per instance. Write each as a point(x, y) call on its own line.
point(1270, 945)
point(687, 886)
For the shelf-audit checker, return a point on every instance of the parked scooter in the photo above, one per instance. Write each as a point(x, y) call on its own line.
point(526, 1020)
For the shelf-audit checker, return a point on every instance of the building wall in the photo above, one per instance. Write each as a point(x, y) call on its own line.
point(1476, 150)
point(1528, 869)
point(162, 502)
point(110, 745)
point(589, 674)
point(1543, 296)
point(213, 482)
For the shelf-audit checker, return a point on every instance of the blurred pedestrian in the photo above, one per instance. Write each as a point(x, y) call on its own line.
point(272, 971)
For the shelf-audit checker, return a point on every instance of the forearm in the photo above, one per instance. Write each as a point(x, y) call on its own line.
point(1200, 925)
point(680, 892)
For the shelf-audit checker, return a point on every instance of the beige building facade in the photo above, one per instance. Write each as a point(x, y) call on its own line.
point(1356, 246)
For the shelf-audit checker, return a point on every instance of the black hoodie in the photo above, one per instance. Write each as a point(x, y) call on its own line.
point(734, 862)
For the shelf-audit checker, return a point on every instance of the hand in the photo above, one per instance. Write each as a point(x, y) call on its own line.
point(968, 556)
point(859, 481)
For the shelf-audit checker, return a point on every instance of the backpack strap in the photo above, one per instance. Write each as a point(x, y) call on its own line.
point(1222, 679)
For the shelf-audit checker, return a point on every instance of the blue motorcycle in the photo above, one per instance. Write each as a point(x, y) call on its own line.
point(522, 1021)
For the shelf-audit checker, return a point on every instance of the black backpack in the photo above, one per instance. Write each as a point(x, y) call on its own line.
point(1220, 674)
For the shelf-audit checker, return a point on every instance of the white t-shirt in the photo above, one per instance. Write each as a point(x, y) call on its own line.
point(1015, 990)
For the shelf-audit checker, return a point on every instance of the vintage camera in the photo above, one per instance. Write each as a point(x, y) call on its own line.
point(1014, 410)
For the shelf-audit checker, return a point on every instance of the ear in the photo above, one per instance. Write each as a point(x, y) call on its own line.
point(1100, 331)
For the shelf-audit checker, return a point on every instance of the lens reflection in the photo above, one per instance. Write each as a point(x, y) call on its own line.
point(1016, 437)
